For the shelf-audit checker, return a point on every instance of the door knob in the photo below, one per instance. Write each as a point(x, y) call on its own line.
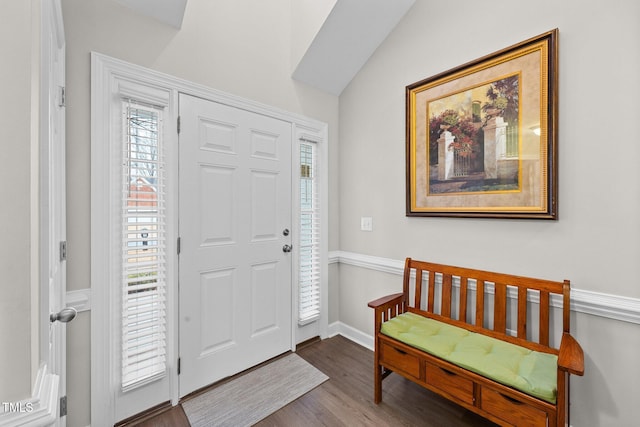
point(65, 315)
point(287, 248)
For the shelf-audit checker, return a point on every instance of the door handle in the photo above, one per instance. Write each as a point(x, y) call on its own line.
point(287, 248)
point(65, 315)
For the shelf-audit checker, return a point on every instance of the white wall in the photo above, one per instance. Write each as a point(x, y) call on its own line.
point(596, 241)
point(241, 47)
point(17, 175)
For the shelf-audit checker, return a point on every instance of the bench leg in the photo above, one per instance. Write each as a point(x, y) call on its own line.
point(377, 379)
point(377, 386)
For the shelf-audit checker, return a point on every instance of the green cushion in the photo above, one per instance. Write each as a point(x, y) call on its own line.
point(529, 371)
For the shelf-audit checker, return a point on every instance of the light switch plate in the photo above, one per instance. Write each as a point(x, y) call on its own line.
point(366, 223)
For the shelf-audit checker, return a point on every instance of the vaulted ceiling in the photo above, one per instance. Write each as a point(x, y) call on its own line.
point(345, 39)
point(170, 12)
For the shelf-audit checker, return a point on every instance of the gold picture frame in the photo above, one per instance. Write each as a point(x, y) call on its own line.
point(482, 137)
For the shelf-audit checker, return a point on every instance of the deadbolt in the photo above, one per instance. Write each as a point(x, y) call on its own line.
point(285, 232)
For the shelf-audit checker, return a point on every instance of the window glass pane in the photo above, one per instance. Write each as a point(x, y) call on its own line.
point(309, 262)
point(143, 248)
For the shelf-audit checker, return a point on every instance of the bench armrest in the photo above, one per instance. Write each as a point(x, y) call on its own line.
point(388, 301)
point(571, 357)
point(386, 308)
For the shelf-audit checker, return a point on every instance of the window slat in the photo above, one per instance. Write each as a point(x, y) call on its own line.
point(143, 248)
point(309, 240)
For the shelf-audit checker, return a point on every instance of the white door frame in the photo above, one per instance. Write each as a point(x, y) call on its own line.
point(42, 408)
point(110, 76)
point(53, 196)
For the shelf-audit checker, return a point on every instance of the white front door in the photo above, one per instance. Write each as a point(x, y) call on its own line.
point(235, 256)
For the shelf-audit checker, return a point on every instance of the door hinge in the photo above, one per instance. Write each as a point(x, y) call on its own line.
point(63, 406)
point(63, 251)
point(179, 365)
point(62, 97)
point(178, 124)
point(179, 244)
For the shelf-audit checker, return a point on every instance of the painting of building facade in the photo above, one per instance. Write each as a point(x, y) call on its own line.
point(481, 138)
point(473, 139)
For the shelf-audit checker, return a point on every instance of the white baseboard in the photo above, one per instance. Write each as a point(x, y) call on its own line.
point(353, 334)
point(39, 410)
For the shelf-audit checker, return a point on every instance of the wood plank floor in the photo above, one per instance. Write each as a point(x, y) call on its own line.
point(346, 399)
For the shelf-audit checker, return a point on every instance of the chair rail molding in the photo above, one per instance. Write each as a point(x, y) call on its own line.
point(79, 299)
point(616, 307)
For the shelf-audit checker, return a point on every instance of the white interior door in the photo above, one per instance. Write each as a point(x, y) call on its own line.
point(235, 257)
point(53, 195)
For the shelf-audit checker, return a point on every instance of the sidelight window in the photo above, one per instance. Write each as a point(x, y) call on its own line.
point(143, 275)
point(309, 261)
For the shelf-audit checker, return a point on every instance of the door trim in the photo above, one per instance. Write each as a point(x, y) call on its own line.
point(42, 408)
point(109, 75)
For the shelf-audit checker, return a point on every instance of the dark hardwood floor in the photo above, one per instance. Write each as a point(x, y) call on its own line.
point(346, 399)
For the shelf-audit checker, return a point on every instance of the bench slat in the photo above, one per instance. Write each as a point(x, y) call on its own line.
point(522, 313)
point(480, 303)
point(544, 318)
point(462, 314)
point(446, 295)
point(418, 288)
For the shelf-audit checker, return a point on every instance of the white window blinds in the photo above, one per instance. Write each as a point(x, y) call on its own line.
point(143, 247)
point(309, 261)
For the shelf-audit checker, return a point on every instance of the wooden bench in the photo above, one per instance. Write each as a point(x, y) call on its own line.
point(504, 305)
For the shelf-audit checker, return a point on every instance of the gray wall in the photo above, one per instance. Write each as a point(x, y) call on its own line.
point(595, 243)
point(18, 265)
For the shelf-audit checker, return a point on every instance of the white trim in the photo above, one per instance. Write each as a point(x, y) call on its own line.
point(385, 265)
point(109, 86)
point(614, 307)
point(109, 75)
point(39, 410)
point(118, 68)
point(353, 334)
point(79, 299)
point(318, 133)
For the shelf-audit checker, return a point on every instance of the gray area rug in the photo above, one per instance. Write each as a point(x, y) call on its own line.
point(253, 396)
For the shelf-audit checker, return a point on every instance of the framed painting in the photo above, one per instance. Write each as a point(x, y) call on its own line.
point(482, 137)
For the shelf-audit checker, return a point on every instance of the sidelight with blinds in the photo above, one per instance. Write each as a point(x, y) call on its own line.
point(309, 245)
point(143, 229)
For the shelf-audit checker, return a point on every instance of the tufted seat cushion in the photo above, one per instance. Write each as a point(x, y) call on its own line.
point(529, 371)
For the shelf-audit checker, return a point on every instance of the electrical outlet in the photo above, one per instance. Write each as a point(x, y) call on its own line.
point(366, 223)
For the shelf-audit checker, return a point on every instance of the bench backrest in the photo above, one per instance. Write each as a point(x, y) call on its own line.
point(503, 302)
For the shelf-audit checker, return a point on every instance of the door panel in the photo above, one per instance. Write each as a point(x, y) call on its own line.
point(235, 279)
point(264, 206)
point(216, 292)
point(264, 304)
point(217, 183)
